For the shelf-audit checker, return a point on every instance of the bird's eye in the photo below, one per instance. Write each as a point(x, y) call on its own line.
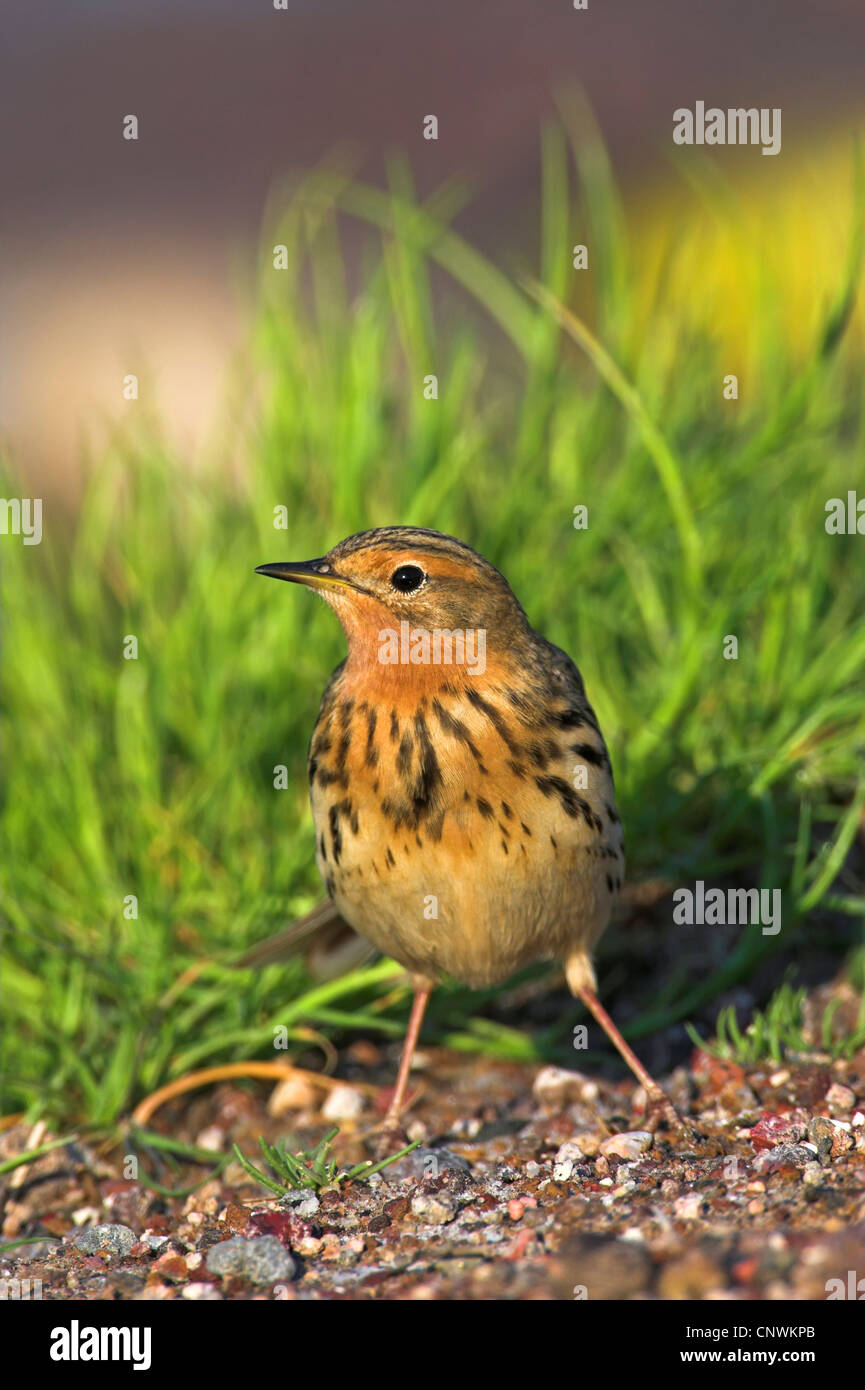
point(407, 578)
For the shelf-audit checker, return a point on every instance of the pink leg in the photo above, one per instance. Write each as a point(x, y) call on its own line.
point(659, 1102)
point(422, 991)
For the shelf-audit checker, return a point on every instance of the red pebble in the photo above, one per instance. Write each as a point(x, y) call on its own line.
point(772, 1129)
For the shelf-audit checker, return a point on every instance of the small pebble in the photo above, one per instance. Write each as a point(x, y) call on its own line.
point(630, 1145)
point(434, 1208)
point(211, 1138)
point(343, 1103)
point(81, 1215)
point(293, 1093)
point(689, 1207)
point(171, 1267)
point(200, 1293)
point(556, 1087)
point(119, 1240)
point(812, 1175)
point(303, 1204)
point(840, 1097)
point(568, 1156)
point(154, 1241)
point(261, 1259)
point(589, 1143)
point(782, 1155)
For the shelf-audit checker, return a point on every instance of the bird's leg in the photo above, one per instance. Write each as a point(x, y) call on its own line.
point(422, 990)
point(660, 1105)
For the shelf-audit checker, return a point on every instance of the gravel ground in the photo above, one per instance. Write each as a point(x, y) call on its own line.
point(529, 1184)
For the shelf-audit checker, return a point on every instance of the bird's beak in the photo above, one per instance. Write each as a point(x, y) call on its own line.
point(317, 574)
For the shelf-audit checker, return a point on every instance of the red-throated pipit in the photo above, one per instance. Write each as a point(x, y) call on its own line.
point(461, 789)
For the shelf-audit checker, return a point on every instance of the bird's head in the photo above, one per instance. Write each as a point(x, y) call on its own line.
point(399, 590)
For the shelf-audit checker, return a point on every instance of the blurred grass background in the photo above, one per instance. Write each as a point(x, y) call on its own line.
point(154, 777)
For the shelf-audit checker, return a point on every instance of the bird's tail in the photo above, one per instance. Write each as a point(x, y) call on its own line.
point(329, 946)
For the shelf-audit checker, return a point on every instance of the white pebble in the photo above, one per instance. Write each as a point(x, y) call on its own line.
point(343, 1103)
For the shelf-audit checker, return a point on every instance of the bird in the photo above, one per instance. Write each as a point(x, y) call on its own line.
point(461, 789)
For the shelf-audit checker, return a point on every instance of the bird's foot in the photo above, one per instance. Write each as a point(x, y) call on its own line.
point(661, 1113)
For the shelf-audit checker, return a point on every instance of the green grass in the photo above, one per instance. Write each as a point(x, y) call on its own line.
point(312, 1169)
point(154, 777)
point(778, 1033)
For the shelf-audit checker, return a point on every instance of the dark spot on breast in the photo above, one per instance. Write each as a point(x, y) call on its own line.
point(609, 883)
point(344, 713)
point(506, 810)
point(394, 727)
point(572, 804)
point(335, 833)
point(538, 754)
point(525, 827)
point(569, 718)
point(554, 842)
point(505, 846)
point(371, 750)
point(522, 702)
point(485, 808)
point(388, 857)
point(457, 729)
point(326, 778)
point(403, 757)
point(322, 847)
point(495, 718)
point(321, 744)
point(342, 754)
point(329, 885)
point(425, 792)
point(611, 814)
point(590, 754)
point(517, 768)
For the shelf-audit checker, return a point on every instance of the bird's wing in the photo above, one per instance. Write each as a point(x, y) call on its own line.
point(328, 944)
